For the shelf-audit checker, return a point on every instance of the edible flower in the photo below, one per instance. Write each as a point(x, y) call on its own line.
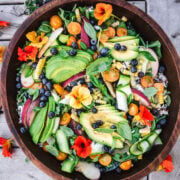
point(166, 165)
point(79, 96)
point(36, 41)
point(102, 12)
point(82, 146)
point(145, 115)
point(2, 49)
point(4, 24)
point(29, 53)
point(6, 145)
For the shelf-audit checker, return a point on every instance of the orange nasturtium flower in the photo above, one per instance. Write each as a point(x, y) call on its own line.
point(166, 165)
point(4, 24)
point(29, 53)
point(36, 41)
point(79, 96)
point(6, 145)
point(102, 12)
point(2, 49)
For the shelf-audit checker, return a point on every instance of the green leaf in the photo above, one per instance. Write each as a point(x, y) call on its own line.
point(63, 53)
point(168, 100)
point(124, 130)
point(156, 45)
point(150, 92)
point(104, 130)
point(98, 66)
point(90, 51)
point(129, 99)
point(68, 131)
point(142, 41)
point(131, 32)
point(153, 125)
point(122, 25)
point(125, 157)
point(135, 135)
point(147, 55)
point(35, 95)
point(36, 109)
point(83, 45)
point(52, 150)
point(90, 30)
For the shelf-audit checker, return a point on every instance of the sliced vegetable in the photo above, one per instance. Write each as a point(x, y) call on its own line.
point(59, 89)
point(56, 22)
point(65, 119)
point(111, 75)
point(122, 32)
point(147, 81)
point(133, 109)
point(105, 159)
point(126, 165)
point(74, 28)
point(61, 156)
point(71, 40)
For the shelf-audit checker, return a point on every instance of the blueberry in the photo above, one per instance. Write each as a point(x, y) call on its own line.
point(158, 126)
point(92, 21)
point(111, 151)
point(68, 88)
point(51, 114)
point(78, 127)
point(99, 122)
point(73, 83)
point(113, 126)
point(90, 85)
point(129, 117)
point(154, 111)
point(47, 93)
point(18, 79)
point(44, 81)
point(94, 110)
point(34, 65)
point(138, 81)
point(42, 91)
point(42, 76)
point(140, 74)
point(94, 125)
point(93, 47)
point(134, 62)
point(104, 52)
point(42, 104)
point(79, 111)
point(30, 96)
point(117, 46)
point(162, 122)
point(133, 69)
point(123, 48)
point(22, 130)
point(54, 51)
point(106, 148)
point(161, 69)
point(43, 98)
point(74, 45)
point(72, 52)
point(18, 86)
point(93, 42)
point(49, 85)
point(26, 95)
point(82, 81)
point(118, 170)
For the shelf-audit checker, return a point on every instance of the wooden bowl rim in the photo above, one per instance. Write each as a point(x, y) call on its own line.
point(8, 54)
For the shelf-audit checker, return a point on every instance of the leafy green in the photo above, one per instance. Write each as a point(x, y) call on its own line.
point(83, 45)
point(66, 16)
point(27, 71)
point(68, 131)
point(131, 32)
point(62, 108)
point(122, 25)
point(52, 150)
point(36, 109)
point(153, 125)
point(102, 88)
point(124, 130)
point(147, 55)
point(135, 135)
point(156, 45)
point(168, 100)
point(36, 94)
point(45, 27)
point(63, 53)
point(98, 66)
point(121, 158)
point(90, 30)
point(142, 41)
point(129, 99)
point(150, 92)
point(104, 130)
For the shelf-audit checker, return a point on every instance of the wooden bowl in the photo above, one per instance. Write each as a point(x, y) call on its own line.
point(150, 31)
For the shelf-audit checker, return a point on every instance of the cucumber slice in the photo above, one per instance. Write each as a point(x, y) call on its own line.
point(143, 146)
point(151, 139)
point(121, 99)
point(68, 165)
point(56, 125)
point(122, 38)
point(63, 38)
point(134, 149)
point(158, 131)
point(158, 141)
point(124, 79)
point(125, 89)
point(55, 96)
point(62, 142)
point(52, 150)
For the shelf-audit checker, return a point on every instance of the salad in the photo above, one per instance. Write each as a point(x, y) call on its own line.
point(90, 91)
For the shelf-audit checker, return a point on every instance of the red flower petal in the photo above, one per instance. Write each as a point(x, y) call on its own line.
point(4, 23)
point(2, 140)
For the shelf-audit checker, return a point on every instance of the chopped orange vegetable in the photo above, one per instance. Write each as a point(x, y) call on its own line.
point(64, 93)
point(133, 109)
point(111, 32)
point(65, 119)
point(62, 156)
point(122, 32)
point(78, 43)
point(94, 156)
point(126, 165)
point(59, 89)
point(104, 36)
point(105, 159)
point(71, 40)
point(147, 81)
point(36, 86)
point(44, 146)
point(74, 28)
point(159, 87)
point(95, 55)
point(56, 22)
point(112, 75)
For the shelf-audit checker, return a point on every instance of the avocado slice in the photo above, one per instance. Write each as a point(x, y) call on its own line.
point(50, 122)
point(87, 119)
point(37, 125)
point(122, 38)
point(84, 54)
